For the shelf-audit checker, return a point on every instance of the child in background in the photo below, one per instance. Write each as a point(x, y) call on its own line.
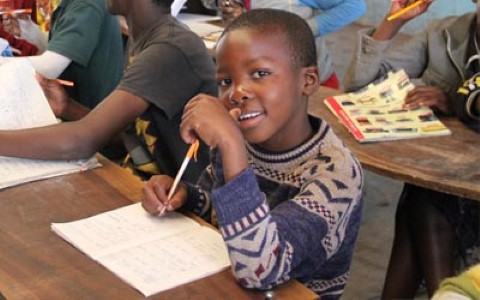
point(432, 229)
point(168, 65)
point(85, 47)
point(20, 29)
point(281, 186)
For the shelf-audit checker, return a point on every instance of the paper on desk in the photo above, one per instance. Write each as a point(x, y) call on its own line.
point(23, 105)
point(150, 253)
point(201, 26)
point(177, 6)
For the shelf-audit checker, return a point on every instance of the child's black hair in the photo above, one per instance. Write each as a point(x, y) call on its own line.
point(297, 34)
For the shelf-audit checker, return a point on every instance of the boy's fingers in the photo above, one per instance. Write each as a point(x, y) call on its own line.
point(235, 113)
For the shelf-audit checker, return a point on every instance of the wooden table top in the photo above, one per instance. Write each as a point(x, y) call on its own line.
point(35, 263)
point(449, 164)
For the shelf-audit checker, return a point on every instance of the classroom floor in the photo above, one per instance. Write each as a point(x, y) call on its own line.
point(380, 200)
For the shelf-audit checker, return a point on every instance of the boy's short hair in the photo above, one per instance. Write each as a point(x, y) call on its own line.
point(164, 3)
point(298, 35)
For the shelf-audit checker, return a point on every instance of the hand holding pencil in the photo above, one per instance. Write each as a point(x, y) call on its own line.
point(192, 153)
point(407, 9)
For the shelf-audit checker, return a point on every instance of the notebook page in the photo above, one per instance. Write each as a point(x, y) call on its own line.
point(121, 228)
point(23, 105)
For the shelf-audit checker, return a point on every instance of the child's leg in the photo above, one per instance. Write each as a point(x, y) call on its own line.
point(434, 237)
point(404, 271)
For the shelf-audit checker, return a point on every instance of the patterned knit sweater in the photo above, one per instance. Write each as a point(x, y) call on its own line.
point(293, 214)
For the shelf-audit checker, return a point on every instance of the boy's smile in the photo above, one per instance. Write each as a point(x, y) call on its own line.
point(257, 75)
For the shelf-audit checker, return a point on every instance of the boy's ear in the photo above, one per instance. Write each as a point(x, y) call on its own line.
point(311, 80)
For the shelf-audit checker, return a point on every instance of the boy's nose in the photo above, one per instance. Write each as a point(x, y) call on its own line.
point(238, 95)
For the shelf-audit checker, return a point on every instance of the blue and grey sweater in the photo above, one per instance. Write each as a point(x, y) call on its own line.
point(294, 214)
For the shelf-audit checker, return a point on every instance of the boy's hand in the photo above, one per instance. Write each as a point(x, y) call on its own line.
point(230, 9)
point(430, 96)
point(155, 194)
point(398, 5)
point(56, 95)
point(205, 117)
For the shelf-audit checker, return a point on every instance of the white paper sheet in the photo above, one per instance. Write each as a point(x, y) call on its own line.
point(150, 253)
point(23, 105)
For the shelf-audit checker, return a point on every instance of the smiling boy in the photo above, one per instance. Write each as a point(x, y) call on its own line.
point(285, 191)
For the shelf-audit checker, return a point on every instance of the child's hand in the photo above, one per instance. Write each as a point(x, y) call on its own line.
point(56, 95)
point(205, 117)
point(10, 24)
point(155, 194)
point(230, 9)
point(430, 96)
point(398, 5)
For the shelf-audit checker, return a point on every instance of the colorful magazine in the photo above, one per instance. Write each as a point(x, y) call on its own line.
point(376, 112)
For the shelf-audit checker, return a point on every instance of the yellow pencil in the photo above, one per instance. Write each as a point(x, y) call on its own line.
point(404, 10)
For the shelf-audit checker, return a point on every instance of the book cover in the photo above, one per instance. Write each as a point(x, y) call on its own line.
point(376, 112)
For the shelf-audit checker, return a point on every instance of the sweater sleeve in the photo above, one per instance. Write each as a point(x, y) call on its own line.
point(334, 14)
point(373, 59)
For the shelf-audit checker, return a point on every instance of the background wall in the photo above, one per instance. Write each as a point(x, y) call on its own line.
point(376, 10)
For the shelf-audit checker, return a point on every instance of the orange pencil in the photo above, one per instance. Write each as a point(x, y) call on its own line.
point(192, 152)
point(404, 10)
point(16, 11)
point(64, 82)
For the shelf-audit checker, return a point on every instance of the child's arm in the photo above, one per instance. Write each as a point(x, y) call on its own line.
point(388, 29)
point(296, 238)
point(334, 15)
point(78, 139)
point(206, 118)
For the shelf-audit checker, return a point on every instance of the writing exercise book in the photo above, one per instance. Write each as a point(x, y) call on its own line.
point(150, 253)
point(376, 112)
point(23, 105)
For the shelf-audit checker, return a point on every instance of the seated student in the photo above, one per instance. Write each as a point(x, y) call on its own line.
point(432, 228)
point(169, 64)
point(323, 17)
point(84, 46)
point(284, 189)
point(24, 45)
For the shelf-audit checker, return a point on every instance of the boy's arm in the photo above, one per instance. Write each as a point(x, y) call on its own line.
point(77, 139)
point(298, 236)
point(335, 14)
point(372, 61)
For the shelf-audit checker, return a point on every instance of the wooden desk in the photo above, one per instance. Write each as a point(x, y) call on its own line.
point(35, 263)
point(449, 164)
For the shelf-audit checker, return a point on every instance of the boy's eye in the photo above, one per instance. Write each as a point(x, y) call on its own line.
point(260, 74)
point(224, 81)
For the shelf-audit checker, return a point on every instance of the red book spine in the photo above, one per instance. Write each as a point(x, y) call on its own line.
point(342, 114)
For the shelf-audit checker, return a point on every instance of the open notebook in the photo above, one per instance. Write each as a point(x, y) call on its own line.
point(376, 112)
point(150, 253)
point(23, 105)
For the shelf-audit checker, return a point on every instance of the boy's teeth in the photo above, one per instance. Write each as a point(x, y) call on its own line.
point(249, 116)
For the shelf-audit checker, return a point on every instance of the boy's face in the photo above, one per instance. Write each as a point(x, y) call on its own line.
point(256, 74)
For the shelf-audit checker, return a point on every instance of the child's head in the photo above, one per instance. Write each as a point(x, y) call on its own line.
point(294, 31)
point(266, 69)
